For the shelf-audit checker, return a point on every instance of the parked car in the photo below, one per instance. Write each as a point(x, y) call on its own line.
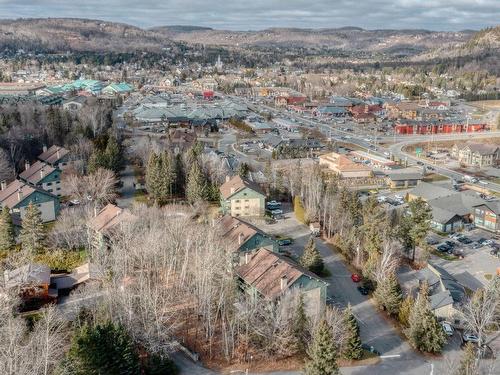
point(443, 248)
point(273, 205)
point(284, 241)
point(470, 337)
point(476, 246)
point(464, 239)
point(432, 241)
point(447, 328)
point(450, 243)
point(495, 253)
point(356, 278)
point(370, 349)
point(364, 291)
point(481, 241)
point(488, 242)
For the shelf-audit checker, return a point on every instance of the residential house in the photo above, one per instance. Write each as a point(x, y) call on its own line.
point(486, 216)
point(102, 225)
point(56, 156)
point(477, 154)
point(404, 179)
point(241, 197)
point(266, 274)
point(74, 104)
point(83, 274)
point(18, 195)
point(32, 282)
point(182, 139)
point(451, 210)
point(44, 176)
point(345, 167)
point(245, 238)
point(445, 292)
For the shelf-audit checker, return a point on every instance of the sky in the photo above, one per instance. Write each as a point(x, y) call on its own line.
point(447, 15)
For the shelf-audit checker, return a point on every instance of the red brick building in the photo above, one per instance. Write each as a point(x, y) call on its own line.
point(442, 127)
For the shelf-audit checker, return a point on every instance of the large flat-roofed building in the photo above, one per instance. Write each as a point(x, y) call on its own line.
point(373, 159)
point(486, 216)
point(19, 89)
point(345, 167)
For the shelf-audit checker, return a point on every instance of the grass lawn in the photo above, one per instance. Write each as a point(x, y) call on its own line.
point(444, 256)
point(434, 177)
point(141, 196)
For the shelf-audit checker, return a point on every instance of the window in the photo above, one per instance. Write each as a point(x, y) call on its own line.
point(58, 188)
point(246, 200)
point(49, 190)
point(49, 184)
point(237, 201)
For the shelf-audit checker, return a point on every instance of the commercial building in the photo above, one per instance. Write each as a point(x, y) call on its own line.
point(345, 167)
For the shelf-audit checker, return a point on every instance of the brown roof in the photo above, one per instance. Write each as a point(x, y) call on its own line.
point(15, 192)
point(36, 172)
point(236, 230)
point(236, 184)
point(53, 154)
point(108, 217)
point(265, 271)
point(482, 148)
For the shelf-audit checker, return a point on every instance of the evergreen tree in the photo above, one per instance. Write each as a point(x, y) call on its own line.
point(7, 238)
point(196, 185)
point(415, 225)
point(311, 258)
point(468, 363)
point(300, 323)
point(32, 231)
point(424, 331)
point(113, 155)
point(154, 179)
point(243, 170)
point(103, 349)
point(388, 294)
point(353, 349)
point(405, 310)
point(180, 175)
point(167, 173)
point(322, 352)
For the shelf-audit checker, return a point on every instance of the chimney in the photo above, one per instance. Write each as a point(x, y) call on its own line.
point(44, 148)
point(233, 190)
point(20, 194)
point(42, 173)
point(27, 165)
point(3, 185)
point(283, 282)
point(58, 154)
point(240, 238)
point(247, 257)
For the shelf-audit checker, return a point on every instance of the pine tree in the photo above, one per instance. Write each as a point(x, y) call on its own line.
point(167, 173)
point(153, 177)
point(103, 349)
point(388, 294)
point(113, 155)
point(424, 331)
point(196, 185)
point(468, 363)
point(405, 310)
point(300, 323)
point(180, 175)
point(311, 258)
point(353, 349)
point(322, 352)
point(7, 239)
point(32, 231)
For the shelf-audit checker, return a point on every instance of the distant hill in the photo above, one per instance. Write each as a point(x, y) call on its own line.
point(346, 38)
point(66, 34)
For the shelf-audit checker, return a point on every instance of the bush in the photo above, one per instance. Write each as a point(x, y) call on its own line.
point(61, 259)
point(299, 210)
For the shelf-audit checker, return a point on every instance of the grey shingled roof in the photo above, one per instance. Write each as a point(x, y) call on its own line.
point(428, 191)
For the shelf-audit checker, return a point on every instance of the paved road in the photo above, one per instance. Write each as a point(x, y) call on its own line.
point(127, 190)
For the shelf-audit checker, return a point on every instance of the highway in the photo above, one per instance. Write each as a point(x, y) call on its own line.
point(371, 144)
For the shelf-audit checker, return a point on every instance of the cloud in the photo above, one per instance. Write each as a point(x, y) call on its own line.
point(259, 14)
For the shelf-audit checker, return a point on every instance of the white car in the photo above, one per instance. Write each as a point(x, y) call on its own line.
point(381, 199)
point(470, 337)
point(482, 182)
point(447, 328)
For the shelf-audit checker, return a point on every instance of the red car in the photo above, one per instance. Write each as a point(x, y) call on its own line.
point(356, 278)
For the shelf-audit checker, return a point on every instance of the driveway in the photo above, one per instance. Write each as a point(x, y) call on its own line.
point(375, 329)
point(127, 190)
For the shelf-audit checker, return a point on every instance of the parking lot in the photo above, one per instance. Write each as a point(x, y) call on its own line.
point(471, 260)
